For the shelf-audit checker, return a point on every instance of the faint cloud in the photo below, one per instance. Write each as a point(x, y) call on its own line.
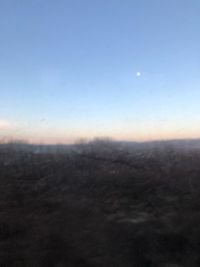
point(4, 124)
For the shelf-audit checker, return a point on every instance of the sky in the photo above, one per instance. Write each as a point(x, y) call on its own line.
point(72, 69)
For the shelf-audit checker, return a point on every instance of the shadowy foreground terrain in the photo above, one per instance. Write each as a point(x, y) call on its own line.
point(100, 204)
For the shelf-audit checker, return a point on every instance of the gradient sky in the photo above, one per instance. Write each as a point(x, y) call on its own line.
point(68, 69)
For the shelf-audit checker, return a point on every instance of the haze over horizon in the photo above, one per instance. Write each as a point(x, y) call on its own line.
point(128, 70)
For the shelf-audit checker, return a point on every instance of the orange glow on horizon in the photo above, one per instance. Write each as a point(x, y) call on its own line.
point(120, 137)
point(139, 134)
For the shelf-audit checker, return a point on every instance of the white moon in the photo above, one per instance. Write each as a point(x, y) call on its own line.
point(138, 74)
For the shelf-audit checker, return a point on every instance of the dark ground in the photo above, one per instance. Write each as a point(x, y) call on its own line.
point(100, 205)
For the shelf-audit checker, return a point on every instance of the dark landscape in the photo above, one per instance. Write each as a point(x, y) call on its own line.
point(100, 204)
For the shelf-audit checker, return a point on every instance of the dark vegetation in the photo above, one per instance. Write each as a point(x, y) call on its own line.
point(100, 204)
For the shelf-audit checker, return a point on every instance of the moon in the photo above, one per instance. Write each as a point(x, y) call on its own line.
point(138, 74)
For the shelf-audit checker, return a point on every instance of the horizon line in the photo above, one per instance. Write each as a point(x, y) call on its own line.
point(96, 139)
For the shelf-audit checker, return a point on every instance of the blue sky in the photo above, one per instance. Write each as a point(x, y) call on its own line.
point(68, 69)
